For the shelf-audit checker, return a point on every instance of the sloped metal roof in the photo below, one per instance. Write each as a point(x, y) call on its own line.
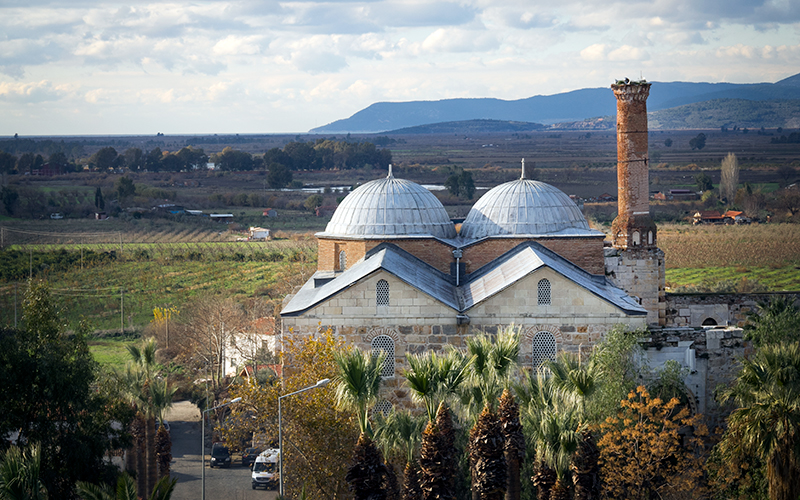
point(525, 207)
point(474, 289)
point(390, 207)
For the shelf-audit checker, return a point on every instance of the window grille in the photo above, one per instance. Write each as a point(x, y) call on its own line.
point(384, 407)
point(384, 343)
point(544, 348)
point(544, 292)
point(382, 293)
point(342, 260)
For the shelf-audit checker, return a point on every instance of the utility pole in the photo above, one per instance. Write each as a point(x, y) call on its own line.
point(122, 311)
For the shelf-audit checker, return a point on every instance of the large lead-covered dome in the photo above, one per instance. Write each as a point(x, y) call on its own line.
point(390, 207)
point(524, 208)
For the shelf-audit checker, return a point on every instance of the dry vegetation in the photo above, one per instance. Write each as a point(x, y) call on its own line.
point(757, 245)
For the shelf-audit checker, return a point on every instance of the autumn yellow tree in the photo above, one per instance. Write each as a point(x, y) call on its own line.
point(318, 439)
point(642, 451)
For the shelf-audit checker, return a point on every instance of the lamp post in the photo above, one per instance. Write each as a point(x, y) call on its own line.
point(203, 445)
point(320, 383)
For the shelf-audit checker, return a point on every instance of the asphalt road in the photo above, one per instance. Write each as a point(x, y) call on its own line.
point(220, 484)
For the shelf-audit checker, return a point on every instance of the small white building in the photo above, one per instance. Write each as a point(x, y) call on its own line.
point(259, 233)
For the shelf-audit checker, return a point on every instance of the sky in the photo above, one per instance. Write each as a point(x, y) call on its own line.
point(79, 67)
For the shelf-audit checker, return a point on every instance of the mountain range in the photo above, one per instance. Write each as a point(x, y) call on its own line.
point(590, 108)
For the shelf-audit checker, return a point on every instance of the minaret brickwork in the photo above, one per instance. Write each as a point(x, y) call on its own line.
point(635, 263)
point(633, 226)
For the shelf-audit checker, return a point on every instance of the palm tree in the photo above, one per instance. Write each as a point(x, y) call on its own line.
point(577, 382)
point(555, 435)
point(767, 424)
point(19, 474)
point(489, 474)
point(513, 442)
point(776, 321)
point(139, 378)
point(358, 381)
point(403, 431)
point(437, 457)
point(125, 490)
point(161, 393)
point(434, 378)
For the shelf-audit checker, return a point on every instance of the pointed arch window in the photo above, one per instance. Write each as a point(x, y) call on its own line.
point(543, 292)
point(342, 260)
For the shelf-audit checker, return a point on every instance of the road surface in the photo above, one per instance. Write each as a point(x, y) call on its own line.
point(221, 484)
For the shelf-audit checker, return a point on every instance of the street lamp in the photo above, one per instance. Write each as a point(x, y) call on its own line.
point(320, 383)
point(203, 444)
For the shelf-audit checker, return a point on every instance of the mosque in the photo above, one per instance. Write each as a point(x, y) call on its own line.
point(395, 275)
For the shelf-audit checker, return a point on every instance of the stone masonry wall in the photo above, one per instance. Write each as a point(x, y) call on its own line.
point(642, 274)
point(692, 309)
point(428, 250)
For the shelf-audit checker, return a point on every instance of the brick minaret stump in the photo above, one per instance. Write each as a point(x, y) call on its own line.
point(633, 226)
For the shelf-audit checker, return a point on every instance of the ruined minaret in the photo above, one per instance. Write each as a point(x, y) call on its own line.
point(634, 262)
point(633, 226)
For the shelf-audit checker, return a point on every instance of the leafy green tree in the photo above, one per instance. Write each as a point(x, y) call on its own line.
point(50, 396)
point(313, 201)
point(105, 158)
point(25, 162)
point(698, 142)
point(668, 142)
point(132, 158)
point(10, 196)
point(190, 158)
point(19, 474)
point(124, 188)
point(279, 176)
point(461, 184)
point(7, 162)
point(152, 161)
point(58, 158)
point(703, 182)
point(233, 160)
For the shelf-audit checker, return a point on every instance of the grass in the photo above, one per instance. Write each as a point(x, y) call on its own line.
point(110, 353)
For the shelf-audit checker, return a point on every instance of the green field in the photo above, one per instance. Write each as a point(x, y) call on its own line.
point(778, 279)
point(110, 353)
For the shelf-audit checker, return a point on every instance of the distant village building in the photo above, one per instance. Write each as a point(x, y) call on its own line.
point(270, 212)
point(325, 211)
point(259, 233)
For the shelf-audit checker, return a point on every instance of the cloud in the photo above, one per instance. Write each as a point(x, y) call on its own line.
point(314, 62)
point(30, 93)
point(458, 40)
point(233, 45)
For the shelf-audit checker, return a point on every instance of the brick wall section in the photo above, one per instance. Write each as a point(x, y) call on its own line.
point(692, 309)
point(632, 168)
point(428, 250)
point(586, 253)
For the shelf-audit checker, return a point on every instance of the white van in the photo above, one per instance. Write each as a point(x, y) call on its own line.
point(265, 469)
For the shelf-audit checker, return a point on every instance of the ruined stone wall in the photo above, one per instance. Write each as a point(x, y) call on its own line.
point(693, 309)
point(711, 354)
point(641, 273)
point(584, 252)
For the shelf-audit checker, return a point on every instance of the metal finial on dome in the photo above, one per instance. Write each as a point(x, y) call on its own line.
point(390, 172)
point(523, 169)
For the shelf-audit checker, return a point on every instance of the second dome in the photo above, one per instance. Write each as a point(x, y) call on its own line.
point(524, 207)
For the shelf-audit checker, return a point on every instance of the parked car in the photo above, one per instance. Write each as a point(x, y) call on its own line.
point(249, 456)
point(220, 456)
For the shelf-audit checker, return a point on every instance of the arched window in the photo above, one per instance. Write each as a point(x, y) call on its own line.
point(636, 239)
point(650, 237)
point(543, 288)
point(382, 294)
point(544, 348)
point(385, 344)
point(709, 322)
point(383, 406)
point(342, 260)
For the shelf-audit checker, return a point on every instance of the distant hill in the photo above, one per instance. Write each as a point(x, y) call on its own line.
point(472, 126)
point(574, 106)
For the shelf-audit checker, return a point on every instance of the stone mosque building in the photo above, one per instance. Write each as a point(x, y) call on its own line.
point(395, 275)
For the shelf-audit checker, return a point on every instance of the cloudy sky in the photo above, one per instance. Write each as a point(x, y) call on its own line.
point(103, 67)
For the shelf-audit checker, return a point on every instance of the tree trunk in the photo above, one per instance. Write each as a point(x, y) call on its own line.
point(437, 458)
point(544, 478)
point(411, 489)
point(141, 462)
point(163, 451)
point(366, 476)
point(488, 457)
point(586, 469)
point(514, 442)
point(150, 444)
